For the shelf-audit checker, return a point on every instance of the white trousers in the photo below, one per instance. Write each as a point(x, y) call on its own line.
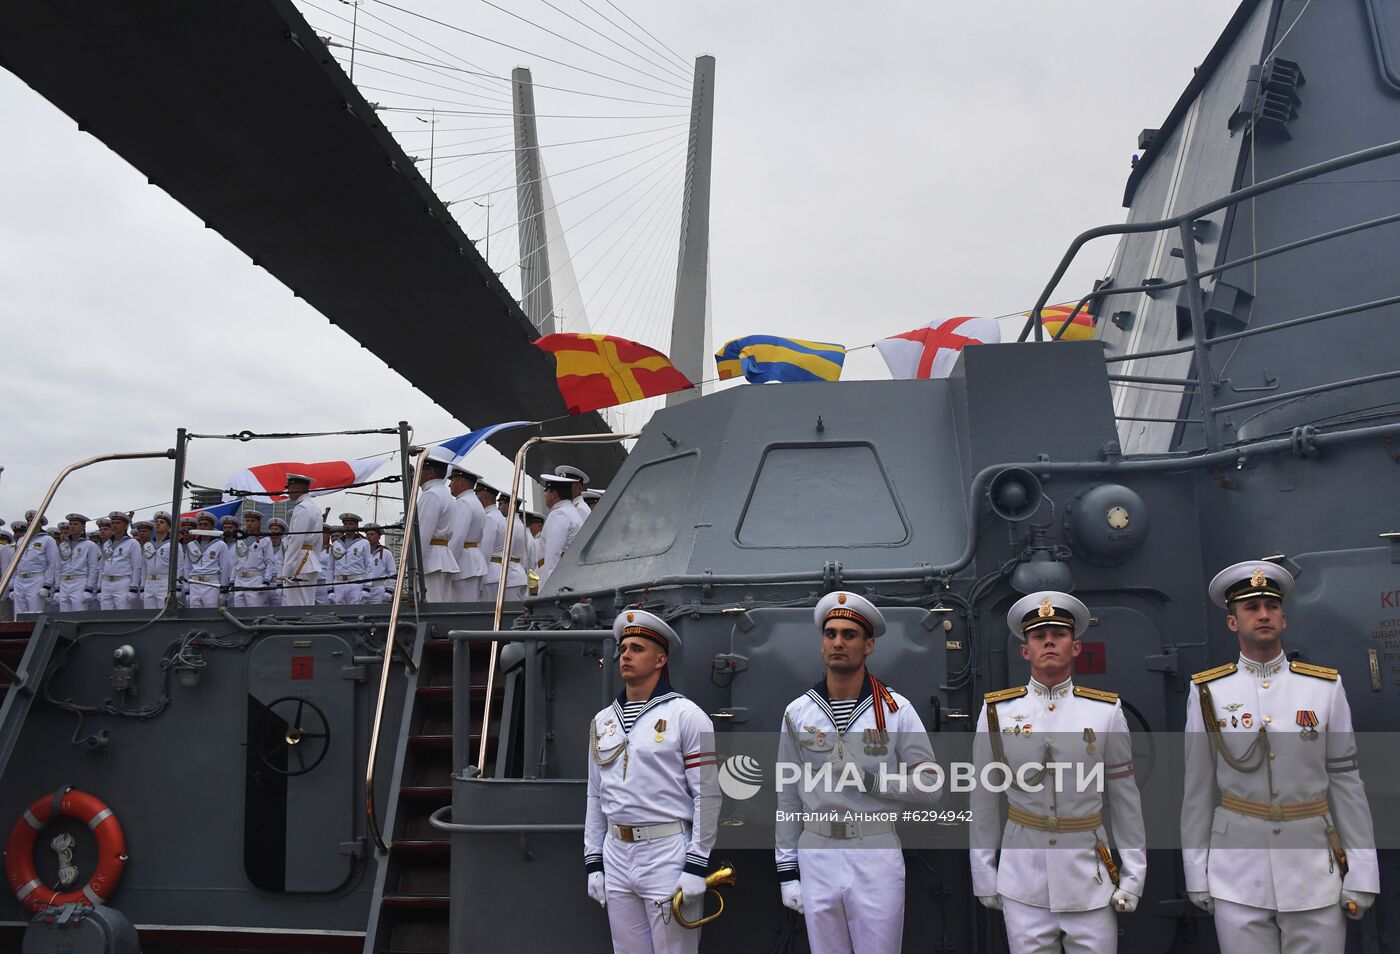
point(1242, 929)
point(1036, 930)
point(378, 593)
point(115, 594)
point(466, 590)
point(349, 593)
point(299, 591)
point(25, 593)
point(153, 599)
point(852, 899)
point(639, 875)
point(438, 585)
point(71, 598)
point(203, 595)
point(241, 598)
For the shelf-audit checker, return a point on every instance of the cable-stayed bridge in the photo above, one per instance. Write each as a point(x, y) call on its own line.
point(392, 166)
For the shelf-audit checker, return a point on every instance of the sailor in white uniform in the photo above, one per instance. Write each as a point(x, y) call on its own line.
point(465, 539)
point(435, 526)
point(250, 559)
point(1056, 874)
point(122, 567)
point(182, 570)
point(653, 797)
point(7, 556)
point(561, 523)
point(301, 562)
point(82, 562)
point(846, 877)
point(517, 583)
point(485, 497)
point(1276, 830)
point(36, 578)
point(325, 577)
point(228, 523)
point(579, 486)
point(156, 559)
point(276, 557)
point(383, 568)
point(208, 565)
point(351, 553)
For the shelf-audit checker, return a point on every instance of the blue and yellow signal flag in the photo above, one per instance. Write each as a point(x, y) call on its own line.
point(764, 358)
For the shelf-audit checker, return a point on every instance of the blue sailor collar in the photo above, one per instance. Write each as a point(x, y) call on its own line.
point(819, 695)
point(661, 693)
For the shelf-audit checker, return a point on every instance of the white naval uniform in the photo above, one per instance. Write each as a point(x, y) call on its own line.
point(583, 509)
point(1276, 884)
point(77, 578)
point(156, 578)
point(122, 567)
point(434, 537)
point(1077, 726)
point(301, 562)
point(38, 569)
point(7, 556)
point(325, 591)
point(465, 543)
point(250, 556)
point(382, 571)
point(517, 585)
point(852, 878)
point(208, 570)
point(663, 772)
point(276, 557)
point(351, 568)
point(559, 530)
point(496, 532)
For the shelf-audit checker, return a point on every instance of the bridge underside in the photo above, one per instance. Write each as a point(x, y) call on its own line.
point(243, 116)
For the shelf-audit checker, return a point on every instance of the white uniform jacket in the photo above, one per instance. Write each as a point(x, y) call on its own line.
point(124, 561)
point(303, 544)
point(435, 527)
point(1298, 721)
point(558, 531)
point(495, 532)
point(1065, 724)
point(351, 559)
point(250, 561)
point(808, 735)
point(583, 509)
point(208, 561)
point(664, 770)
point(519, 552)
point(382, 570)
point(467, 517)
point(40, 559)
point(156, 555)
point(84, 562)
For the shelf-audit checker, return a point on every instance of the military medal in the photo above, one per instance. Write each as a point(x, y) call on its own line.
point(660, 730)
point(1247, 720)
point(1234, 722)
point(1233, 707)
point(1308, 720)
point(1089, 741)
point(869, 736)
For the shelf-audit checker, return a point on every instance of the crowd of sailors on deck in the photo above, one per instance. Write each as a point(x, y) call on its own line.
point(117, 563)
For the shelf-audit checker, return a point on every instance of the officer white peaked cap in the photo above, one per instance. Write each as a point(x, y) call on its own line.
point(852, 606)
point(466, 474)
point(443, 455)
point(299, 479)
point(591, 494)
point(483, 485)
point(76, 516)
point(555, 480)
point(1250, 579)
point(635, 622)
point(1047, 608)
point(350, 516)
point(573, 473)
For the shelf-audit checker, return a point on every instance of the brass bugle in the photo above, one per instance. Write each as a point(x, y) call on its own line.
point(724, 874)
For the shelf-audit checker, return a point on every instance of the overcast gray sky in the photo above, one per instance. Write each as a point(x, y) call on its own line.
point(875, 168)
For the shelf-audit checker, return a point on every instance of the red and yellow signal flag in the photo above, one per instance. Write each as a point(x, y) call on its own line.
point(597, 371)
point(1080, 329)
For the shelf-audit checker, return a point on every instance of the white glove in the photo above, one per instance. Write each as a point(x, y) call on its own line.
point(992, 902)
point(792, 894)
point(691, 886)
point(1362, 899)
point(1124, 901)
point(1202, 900)
point(45, 593)
point(598, 888)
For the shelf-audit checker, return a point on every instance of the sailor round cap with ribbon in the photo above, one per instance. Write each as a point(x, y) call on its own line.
point(851, 606)
point(76, 516)
point(161, 515)
point(299, 479)
point(1047, 608)
point(7, 534)
point(373, 526)
point(205, 515)
point(19, 526)
point(29, 518)
point(188, 521)
point(635, 622)
point(253, 515)
point(148, 524)
point(350, 518)
point(103, 521)
point(277, 522)
point(1250, 580)
point(573, 473)
point(228, 518)
point(119, 515)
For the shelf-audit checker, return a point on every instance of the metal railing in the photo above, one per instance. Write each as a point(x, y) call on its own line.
point(1201, 344)
point(505, 563)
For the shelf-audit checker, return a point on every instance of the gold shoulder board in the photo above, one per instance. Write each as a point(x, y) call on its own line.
point(1226, 670)
point(1098, 695)
point(1308, 669)
point(1001, 695)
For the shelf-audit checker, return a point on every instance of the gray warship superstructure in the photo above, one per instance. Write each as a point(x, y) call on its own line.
point(1240, 399)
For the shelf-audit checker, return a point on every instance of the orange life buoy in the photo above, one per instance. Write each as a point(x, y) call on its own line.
point(32, 893)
